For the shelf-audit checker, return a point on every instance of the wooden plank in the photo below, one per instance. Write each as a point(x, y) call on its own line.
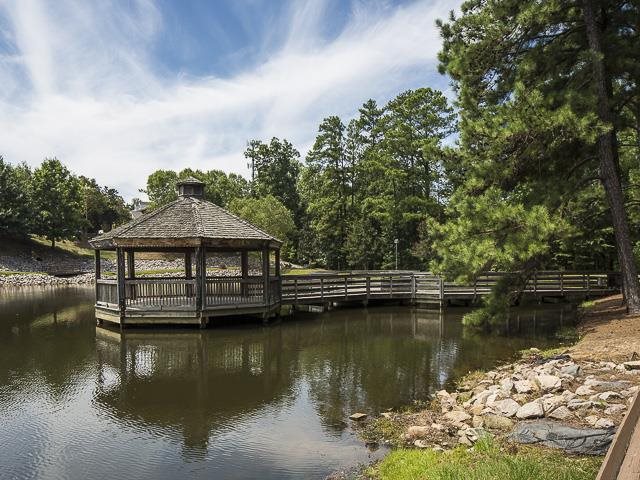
point(620, 446)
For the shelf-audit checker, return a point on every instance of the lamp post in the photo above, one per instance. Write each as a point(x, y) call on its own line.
point(395, 241)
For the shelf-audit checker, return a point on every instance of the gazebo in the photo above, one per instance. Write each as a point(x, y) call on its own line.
point(193, 227)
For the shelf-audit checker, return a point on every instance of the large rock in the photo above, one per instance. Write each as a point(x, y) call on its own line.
point(572, 370)
point(523, 386)
point(530, 410)
point(507, 407)
point(457, 417)
point(561, 413)
point(578, 441)
point(417, 431)
point(497, 422)
point(549, 382)
point(584, 390)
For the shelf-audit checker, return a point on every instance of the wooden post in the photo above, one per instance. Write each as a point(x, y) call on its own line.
point(561, 283)
point(277, 269)
point(588, 285)
point(98, 269)
point(244, 273)
point(265, 275)
point(441, 292)
point(346, 288)
point(202, 287)
point(188, 272)
point(368, 287)
point(413, 288)
point(131, 272)
point(200, 280)
point(121, 283)
point(278, 276)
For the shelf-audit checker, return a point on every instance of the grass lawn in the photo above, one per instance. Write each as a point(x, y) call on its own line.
point(303, 271)
point(485, 461)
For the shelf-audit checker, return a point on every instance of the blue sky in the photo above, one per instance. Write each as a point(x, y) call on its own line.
point(119, 89)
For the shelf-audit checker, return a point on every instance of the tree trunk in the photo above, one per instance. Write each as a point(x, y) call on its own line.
point(53, 243)
point(609, 161)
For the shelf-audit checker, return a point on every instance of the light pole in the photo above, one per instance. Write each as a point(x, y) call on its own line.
point(395, 241)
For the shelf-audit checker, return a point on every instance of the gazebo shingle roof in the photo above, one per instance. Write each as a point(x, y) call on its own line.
point(184, 218)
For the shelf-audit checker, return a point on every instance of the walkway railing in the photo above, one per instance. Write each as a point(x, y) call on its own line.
point(107, 292)
point(427, 287)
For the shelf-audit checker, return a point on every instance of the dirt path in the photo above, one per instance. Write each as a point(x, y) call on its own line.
point(608, 333)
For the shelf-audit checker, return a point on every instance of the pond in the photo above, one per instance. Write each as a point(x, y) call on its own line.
point(80, 401)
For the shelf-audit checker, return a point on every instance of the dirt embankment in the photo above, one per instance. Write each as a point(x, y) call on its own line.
point(608, 333)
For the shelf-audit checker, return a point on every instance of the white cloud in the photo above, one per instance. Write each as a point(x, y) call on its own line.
point(81, 85)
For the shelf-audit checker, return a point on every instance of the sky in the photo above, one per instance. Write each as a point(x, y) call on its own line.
point(119, 89)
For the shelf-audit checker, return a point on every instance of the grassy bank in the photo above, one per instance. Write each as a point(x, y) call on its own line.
point(487, 460)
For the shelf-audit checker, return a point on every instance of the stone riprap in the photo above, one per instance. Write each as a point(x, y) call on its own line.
point(558, 402)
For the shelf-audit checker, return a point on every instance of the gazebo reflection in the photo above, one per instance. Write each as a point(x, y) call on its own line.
point(188, 381)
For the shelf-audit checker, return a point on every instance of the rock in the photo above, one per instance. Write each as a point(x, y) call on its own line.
point(530, 410)
point(550, 402)
point(615, 408)
point(577, 441)
point(584, 390)
point(481, 398)
point(506, 385)
point(463, 440)
point(577, 403)
point(421, 444)
point(438, 448)
point(358, 416)
point(497, 422)
point(572, 370)
point(507, 407)
point(386, 415)
point(604, 423)
point(437, 426)
point(608, 395)
point(473, 434)
point(523, 386)
point(417, 431)
point(477, 421)
point(568, 395)
point(457, 417)
point(591, 419)
point(549, 382)
point(561, 413)
point(634, 365)
point(476, 409)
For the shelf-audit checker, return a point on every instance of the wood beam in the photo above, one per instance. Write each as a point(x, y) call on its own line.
point(265, 274)
point(121, 284)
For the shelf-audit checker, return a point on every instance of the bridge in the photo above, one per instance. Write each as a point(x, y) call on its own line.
point(180, 300)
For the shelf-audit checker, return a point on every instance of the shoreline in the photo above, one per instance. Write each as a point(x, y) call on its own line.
point(569, 400)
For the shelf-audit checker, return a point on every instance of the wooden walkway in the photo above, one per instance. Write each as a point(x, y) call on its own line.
point(430, 289)
point(180, 300)
point(623, 458)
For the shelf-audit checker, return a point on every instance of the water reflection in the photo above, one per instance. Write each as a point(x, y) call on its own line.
point(245, 402)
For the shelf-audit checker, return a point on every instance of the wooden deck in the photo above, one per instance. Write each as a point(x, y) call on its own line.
point(175, 300)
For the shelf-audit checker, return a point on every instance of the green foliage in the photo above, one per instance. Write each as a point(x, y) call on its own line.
point(275, 168)
point(15, 204)
point(220, 188)
point(57, 201)
point(485, 461)
point(376, 179)
point(161, 187)
point(103, 207)
point(269, 214)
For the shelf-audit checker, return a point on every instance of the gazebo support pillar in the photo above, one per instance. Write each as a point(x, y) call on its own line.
point(188, 272)
point(265, 275)
point(131, 271)
point(244, 272)
point(98, 268)
point(201, 284)
point(121, 283)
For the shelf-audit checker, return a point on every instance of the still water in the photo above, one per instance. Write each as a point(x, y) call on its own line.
point(82, 402)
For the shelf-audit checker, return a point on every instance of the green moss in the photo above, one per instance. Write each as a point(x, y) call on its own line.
point(6, 273)
point(485, 461)
point(587, 304)
point(383, 429)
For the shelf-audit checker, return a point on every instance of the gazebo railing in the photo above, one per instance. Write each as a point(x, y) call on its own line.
point(106, 292)
point(160, 292)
